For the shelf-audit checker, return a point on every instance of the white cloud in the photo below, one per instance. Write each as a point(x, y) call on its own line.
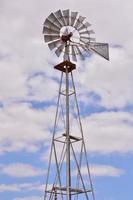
point(24, 128)
point(42, 88)
point(112, 80)
point(20, 170)
point(13, 82)
point(29, 198)
point(23, 53)
point(102, 170)
point(107, 132)
point(18, 85)
point(108, 19)
point(9, 188)
point(18, 187)
point(105, 170)
point(104, 133)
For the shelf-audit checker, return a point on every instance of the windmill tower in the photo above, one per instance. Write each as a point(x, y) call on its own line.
point(68, 174)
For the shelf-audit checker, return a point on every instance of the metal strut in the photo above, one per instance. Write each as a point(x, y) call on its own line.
point(68, 166)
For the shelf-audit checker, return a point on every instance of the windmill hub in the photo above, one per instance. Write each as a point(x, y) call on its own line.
point(70, 34)
point(67, 37)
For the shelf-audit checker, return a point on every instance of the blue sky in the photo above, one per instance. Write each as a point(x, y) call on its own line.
point(28, 92)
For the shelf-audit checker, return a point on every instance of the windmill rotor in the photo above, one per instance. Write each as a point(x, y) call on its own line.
point(67, 34)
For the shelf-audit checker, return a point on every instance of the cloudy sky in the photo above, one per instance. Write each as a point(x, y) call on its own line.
point(105, 91)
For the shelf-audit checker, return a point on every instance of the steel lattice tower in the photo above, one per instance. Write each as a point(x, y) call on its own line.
point(72, 156)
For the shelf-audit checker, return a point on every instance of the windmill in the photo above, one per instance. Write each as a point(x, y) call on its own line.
point(68, 174)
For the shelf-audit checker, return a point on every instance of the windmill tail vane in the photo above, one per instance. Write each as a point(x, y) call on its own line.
point(68, 176)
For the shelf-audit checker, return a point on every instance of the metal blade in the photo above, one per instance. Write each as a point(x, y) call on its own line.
point(84, 47)
point(60, 49)
point(79, 22)
point(87, 32)
point(86, 40)
point(49, 38)
point(73, 17)
point(79, 52)
point(101, 49)
point(84, 26)
point(54, 44)
point(53, 19)
point(47, 30)
point(60, 17)
point(51, 25)
point(66, 16)
point(73, 54)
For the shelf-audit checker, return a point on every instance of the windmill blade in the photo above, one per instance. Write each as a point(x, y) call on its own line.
point(84, 26)
point(47, 30)
point(79, 22)
point(66, 16)
point(101, 49)
point(83, 47)
point(87, 32)
point(54, 44)
point(49, 38)
point(73, 53)
point(73, 18)
point(86, 40)
point(60, 17)
point(53, 19)
point(51, 25)
point(77, 49)
point(60, 49)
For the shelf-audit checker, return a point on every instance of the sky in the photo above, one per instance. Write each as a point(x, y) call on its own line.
point(29, 88)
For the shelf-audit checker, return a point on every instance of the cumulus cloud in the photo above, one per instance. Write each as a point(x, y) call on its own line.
point(20, 170)
point(102, 170)
point(106, 132)
point(109, 132)
point(42, 88)
point(112, 81)
point(105, 170)
point(23, 53)
point(20, 187)
point(9, 188)
point(24, 128)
